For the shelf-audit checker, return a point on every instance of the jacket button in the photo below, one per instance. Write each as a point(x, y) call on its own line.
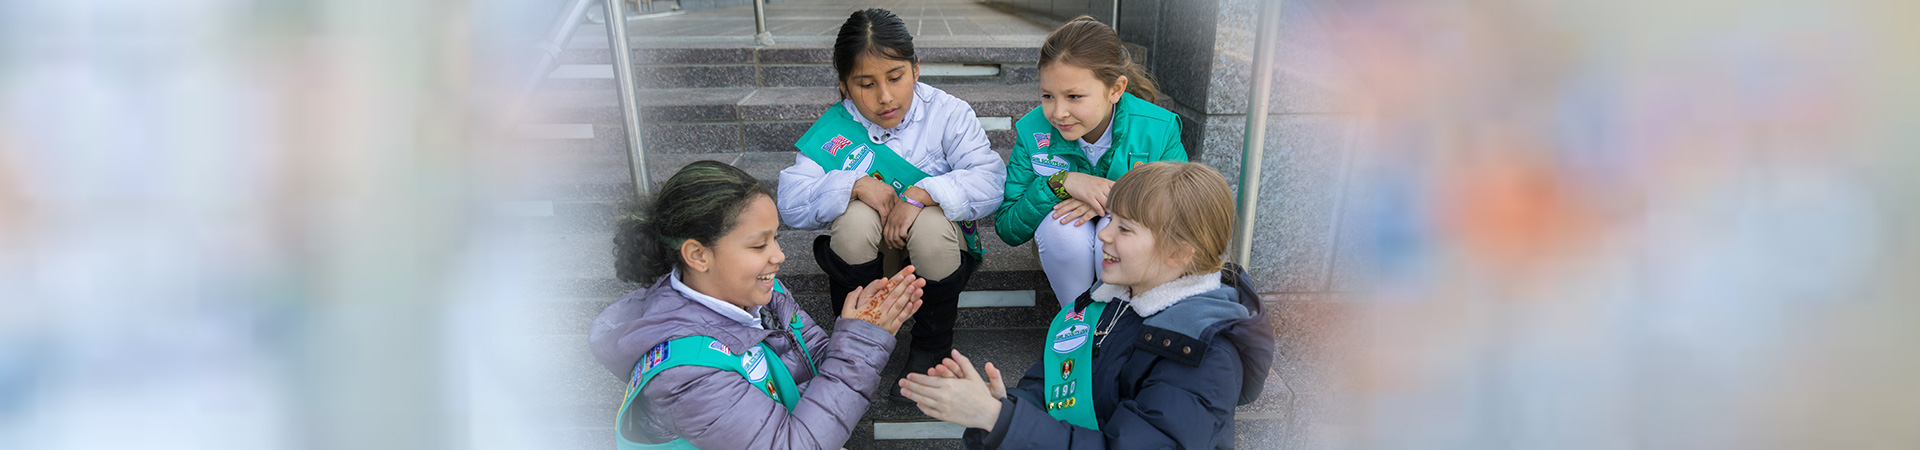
point(1148, 338)
point(1166, 342)
point(1186, 350)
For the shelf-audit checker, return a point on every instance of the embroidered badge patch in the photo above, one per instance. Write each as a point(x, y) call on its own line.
point(649, 361)
point(1070, 338)
point(756, 363)
point(1066, 369)
point(1040, 140)
point(834, 145)
point(795, 322)
point(1077, 315)
point(1046, 164)
point(719, 347)
point(859, 161)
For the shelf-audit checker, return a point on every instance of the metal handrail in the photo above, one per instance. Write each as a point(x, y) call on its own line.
point(556, 42)
point(1253, 149)
point(629, 100)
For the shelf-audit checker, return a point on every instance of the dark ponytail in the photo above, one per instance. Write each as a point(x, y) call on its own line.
point(701, 202)
point(1086, 43)
point(875, 31)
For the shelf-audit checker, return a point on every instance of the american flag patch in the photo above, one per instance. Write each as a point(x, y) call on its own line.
point(834, 145)
point(1040, 139)
point(1077, 315)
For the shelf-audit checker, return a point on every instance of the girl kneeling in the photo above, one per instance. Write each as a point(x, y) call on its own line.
point(716, 353)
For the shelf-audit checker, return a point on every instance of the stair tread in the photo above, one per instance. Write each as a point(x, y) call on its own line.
point(989, 100)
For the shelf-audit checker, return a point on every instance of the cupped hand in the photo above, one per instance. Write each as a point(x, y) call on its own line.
point(966, 400)
point(886, 302)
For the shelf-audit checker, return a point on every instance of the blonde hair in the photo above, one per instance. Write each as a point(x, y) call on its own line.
point(1180, 203)
point(1086, 43)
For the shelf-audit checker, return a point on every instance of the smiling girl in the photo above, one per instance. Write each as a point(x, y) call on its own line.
point(1092, 126)
point(715, 352)
point(1157, 356)
point(897, 171)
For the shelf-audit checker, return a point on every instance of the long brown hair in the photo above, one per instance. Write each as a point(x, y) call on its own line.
point(1086, 43)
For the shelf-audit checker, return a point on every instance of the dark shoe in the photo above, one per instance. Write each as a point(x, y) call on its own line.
point(842, 277)
point(933, 324)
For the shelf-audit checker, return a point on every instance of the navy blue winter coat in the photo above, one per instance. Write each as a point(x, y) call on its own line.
point(1169, 380)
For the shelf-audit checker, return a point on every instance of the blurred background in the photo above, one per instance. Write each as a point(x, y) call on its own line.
point(232, 224)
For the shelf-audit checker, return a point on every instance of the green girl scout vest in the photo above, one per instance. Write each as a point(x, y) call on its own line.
point(760, 365)
point(1069, 358)
point(827, 144)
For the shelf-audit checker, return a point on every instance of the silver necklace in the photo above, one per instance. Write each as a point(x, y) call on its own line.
point(1103, 333)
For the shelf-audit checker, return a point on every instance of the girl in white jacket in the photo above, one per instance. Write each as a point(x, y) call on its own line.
point(897, 172)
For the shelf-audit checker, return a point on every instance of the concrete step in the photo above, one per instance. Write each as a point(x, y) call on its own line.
point(581, 265)
point(578, 399)
point(579, 134)
point(806, 65)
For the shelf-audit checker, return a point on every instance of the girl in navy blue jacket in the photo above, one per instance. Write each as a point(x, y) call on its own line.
point(1156, 356)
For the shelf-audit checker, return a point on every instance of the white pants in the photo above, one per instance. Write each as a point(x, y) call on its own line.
point(1070, 255)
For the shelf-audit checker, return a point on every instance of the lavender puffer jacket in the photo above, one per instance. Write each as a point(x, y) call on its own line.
point(711, 408)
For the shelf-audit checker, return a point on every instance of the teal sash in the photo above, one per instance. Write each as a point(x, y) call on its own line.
point(1069, 358)
point(828, 144)
point(761, 367)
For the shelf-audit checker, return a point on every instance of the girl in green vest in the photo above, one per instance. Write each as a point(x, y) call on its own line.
point(715, 352)
point(1095, 122)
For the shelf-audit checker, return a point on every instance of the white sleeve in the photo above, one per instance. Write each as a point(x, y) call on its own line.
point(970, 191)
point(810, 198)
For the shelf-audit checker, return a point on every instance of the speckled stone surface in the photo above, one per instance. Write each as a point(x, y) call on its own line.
point(795, 104)
point(668, 138)
point(797, 76)
point(671, 77)
point(717, 56)
point(1301, 171)
point(773, 136)
point(1182, 56)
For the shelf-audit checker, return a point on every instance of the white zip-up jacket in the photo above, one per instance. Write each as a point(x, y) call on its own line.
point(941, 136)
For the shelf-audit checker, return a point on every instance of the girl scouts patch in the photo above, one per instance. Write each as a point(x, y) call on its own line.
point(717, 346)
point(1077, 315)
point(756, 363)
point(1040, 140)
point(859, 161)
point(1070, 338)
point(834, 145)
point(1046, 165)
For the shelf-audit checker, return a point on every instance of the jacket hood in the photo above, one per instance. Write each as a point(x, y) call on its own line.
point(1231, 311)
point(1253, 336)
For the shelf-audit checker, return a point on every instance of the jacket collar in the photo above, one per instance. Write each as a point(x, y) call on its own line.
point(1162, 296)
point(682, 317)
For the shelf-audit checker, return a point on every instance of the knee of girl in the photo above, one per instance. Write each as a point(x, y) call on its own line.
point(935, 249)
point(856, 234)
point(1051, 234)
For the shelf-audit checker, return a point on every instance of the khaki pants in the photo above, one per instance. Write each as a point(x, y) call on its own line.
point(933, 243)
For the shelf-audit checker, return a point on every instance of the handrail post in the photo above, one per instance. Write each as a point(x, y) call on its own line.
point(761, 36)
point(1253, 148)
point(629, 101)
